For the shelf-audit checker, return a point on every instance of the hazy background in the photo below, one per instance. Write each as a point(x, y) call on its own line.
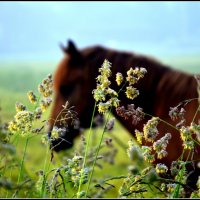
point(33, 30)
point(30, 34)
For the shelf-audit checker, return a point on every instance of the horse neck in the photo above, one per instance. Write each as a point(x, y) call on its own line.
point(146, 86)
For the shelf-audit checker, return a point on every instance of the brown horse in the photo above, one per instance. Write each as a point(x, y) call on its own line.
point(161, 88)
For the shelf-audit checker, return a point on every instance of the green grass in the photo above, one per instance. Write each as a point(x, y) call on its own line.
point(16, 79)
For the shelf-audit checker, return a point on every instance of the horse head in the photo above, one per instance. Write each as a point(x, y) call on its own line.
point(73, 85)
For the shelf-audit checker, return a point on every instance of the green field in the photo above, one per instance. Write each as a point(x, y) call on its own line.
point(16, 79)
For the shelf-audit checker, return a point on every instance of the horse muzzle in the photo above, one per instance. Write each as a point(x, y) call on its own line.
point(64, 141)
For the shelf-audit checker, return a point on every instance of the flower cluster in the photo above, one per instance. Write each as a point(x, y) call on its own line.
point(176, 112)
point(150, 129)
point(161, 168)
point(46, 87)
point(73, 171)
point(19, 107)
point(57, 132)
point(186, 137)
point(103, 90)
point(119, 78)
point(45, 103)
point(136, 114)
point(23, 120)
point(195, 129)
point(160, 145)
point(147, 153)
point(32, 97)
point(133, 75)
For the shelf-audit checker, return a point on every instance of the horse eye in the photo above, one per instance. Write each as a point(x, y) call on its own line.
point(66, 90)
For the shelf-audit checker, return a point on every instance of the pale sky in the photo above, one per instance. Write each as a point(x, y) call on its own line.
point(35, 29)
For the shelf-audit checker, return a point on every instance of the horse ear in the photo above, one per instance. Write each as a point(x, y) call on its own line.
point(72, 51)
point(70, 48)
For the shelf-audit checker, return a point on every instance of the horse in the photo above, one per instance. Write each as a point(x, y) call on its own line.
point(161, 89)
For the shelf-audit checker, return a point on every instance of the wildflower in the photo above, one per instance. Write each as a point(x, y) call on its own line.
point(174, 112)
point(139, 135)
point(171, 187)
point(31, 96)
point(161, 154)
point(24, 116)
point(111, 92)
point(140, 72)
point(185, 133)
point(13, 127)
point(136, 114)
point(188, 145)
point(131, 92)
point(99, 94)
point(103, 107)
point(19, 107)
point(38, 113)
point(161, 168)
point(84, 175)
point(131, 76)
point(57, 132)
point(17, 125)
point(114, 102)
point(41, 88)
point(105, 82)
point(45, 88)
point(161, 144)
point(45, 103)
point(150, 130)
point(119, 78)
point(195, 129)
point(134, 75)
point(105, 68)
point(147, 154)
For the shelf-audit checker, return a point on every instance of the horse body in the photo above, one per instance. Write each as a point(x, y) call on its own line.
point(160, 89)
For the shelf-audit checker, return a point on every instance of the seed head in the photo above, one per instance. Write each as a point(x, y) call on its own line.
point(119, 78)
point(131, 92)
point(31, 96)
point(161, 168)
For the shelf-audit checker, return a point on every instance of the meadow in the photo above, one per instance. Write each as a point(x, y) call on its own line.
point(16, 79)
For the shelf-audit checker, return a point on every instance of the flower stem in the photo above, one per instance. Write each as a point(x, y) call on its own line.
point(97, 152)
point(86, 150)
point(23, 158)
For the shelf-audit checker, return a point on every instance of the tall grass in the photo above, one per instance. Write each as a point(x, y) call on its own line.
point(77, 173)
